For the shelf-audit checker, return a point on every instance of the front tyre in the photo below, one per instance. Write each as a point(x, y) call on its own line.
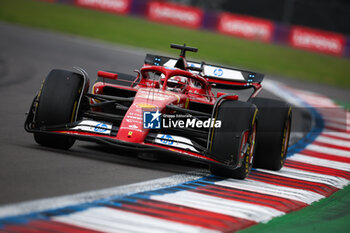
point(58, 102)
point(244, 170)
point(234, 143)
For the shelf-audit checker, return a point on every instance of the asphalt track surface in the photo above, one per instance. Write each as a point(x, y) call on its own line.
point(29, 171)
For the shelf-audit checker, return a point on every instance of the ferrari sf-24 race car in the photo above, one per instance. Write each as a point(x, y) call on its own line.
point(168, 109)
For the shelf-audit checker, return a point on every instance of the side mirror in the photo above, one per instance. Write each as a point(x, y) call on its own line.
point(230, 97)
point(220, 94)
point(106, 74)
point(137, 78)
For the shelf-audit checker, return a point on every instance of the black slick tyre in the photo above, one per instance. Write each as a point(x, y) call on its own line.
point(234, 143)
point(273, 133)
point(58, 104)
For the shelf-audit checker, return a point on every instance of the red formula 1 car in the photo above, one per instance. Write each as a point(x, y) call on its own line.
point(168, 109)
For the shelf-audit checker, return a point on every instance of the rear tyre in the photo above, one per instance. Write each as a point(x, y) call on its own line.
point(273, 133)
point(58, 104)
point(234, 143)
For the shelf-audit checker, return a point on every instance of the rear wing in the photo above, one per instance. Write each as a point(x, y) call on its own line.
point(221, 76)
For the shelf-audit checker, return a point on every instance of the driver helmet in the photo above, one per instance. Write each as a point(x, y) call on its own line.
point(176, 83)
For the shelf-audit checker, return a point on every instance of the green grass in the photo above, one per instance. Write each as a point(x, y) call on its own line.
point(272, 59)
point(328, 215)
point(346, 105)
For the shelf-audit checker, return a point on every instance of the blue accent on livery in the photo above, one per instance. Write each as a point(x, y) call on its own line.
point(100, 128)
point(167, 139)
point(218, 72)
point(157, 61)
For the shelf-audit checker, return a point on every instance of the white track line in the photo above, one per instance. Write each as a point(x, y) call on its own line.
point(286, 95)
point(74, 199)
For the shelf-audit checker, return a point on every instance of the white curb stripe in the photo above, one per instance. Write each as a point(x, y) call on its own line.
point(233, 208)
point(315, 99)
point(328, 150)
point(338, 134)
point(321, 162)
point(333, 141)
point(332, 126)
point(260, 187)
point(338, 121)
point(112, 220)
point(336, 182)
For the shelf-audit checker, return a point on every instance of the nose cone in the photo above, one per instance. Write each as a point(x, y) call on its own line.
point(131, 129)
point(145, 114)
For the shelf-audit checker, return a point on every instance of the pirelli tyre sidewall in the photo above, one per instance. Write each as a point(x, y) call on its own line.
point(273, 133)
point(237, 134)
point(58, 101)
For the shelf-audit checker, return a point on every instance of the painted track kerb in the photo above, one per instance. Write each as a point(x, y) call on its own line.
point(205, 203)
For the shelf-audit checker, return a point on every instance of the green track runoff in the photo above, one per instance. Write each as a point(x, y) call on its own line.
point(331, 214)
point(221, 49)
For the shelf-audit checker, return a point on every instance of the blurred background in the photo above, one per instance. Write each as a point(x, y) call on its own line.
point(296, 39)
point(332, 15)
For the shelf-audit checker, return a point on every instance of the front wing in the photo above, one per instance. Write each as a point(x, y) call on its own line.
point(105, 133)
